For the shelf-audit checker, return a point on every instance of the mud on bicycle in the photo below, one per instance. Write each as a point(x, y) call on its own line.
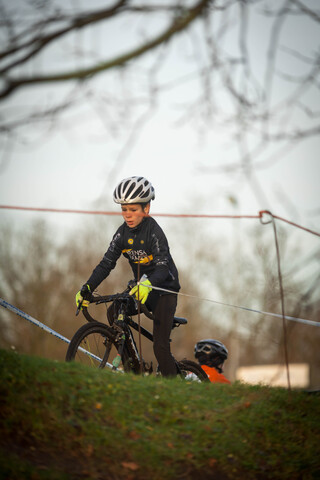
point(113, 346)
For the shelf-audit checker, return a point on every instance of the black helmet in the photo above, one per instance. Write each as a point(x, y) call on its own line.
point(211, 352)
point(133, 190)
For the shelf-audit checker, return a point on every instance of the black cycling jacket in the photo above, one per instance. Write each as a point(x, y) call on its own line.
point(145, 244)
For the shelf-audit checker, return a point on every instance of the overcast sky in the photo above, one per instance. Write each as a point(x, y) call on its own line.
point(80, 161)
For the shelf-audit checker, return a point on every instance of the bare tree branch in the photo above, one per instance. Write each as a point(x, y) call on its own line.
point(38, 43)
point(180, 22)
point(219, 60)
point(303, 8)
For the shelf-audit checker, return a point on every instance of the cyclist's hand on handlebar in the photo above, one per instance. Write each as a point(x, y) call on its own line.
point(83, 297)
point(141, 291)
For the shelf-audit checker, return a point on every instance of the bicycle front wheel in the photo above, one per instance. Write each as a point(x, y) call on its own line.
point(94, 345)
point(192, 371)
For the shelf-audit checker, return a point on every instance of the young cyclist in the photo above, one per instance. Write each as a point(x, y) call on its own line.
point(142, 241)
point(211, 354)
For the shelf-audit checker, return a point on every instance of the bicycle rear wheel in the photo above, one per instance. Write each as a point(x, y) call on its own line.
point(192, 371)
point(94, 345)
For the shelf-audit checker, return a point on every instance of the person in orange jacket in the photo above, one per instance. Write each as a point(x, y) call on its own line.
point(211, 354)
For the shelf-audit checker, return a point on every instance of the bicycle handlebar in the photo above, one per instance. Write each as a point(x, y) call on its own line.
point(109, 298)
point(98, 299)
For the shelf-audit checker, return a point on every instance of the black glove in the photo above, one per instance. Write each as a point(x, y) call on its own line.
point(83, 297)
point(85, 292)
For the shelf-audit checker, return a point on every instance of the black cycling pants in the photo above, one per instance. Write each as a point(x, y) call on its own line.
point(162, 325)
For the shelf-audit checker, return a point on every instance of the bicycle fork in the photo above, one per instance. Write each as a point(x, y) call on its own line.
point(121, 338)
point(117, 359)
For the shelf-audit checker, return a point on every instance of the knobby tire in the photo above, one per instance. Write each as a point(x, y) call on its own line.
point(97, 339)
point(192, 371)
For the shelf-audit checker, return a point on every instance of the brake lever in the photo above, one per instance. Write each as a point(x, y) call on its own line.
point(131, 284)
point(79, 307)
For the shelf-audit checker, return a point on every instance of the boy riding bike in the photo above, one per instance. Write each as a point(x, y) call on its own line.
point(211, 354)
point(142, 241)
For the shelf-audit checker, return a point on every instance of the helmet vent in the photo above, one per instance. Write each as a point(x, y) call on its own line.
point(145, 194)
point(130, 190)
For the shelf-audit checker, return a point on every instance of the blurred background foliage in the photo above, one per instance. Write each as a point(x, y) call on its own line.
point(41, 276)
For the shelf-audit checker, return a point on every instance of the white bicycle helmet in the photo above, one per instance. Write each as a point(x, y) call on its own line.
point(134, 190)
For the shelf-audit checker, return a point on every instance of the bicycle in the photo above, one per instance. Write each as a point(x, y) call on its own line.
point(113, 346)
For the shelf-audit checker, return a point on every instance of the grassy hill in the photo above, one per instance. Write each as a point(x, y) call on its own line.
point(63, 421)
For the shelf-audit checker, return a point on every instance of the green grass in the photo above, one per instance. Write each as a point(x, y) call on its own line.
point(64, 421)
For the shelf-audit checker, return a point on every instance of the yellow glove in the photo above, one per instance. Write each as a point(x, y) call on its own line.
point(143, 292)
point(84, 292)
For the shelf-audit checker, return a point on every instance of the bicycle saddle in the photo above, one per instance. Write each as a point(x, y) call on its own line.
point(179, 321)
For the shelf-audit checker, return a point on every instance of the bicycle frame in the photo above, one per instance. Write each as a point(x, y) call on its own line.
point(117, 341)
point(123, 323)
